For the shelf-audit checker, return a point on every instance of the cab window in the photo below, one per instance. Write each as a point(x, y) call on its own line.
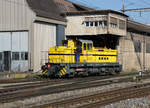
point(84, 45)
point(89, 46)
point(65, 42)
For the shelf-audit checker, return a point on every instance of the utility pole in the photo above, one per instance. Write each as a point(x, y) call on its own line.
point(144, 53)
point(123, 8)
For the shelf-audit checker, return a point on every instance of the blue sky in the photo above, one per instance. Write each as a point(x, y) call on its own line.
point(143, 17)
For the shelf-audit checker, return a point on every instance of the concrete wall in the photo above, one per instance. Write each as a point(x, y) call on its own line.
point(117, 31)
point(127, 55)
point(76, 25)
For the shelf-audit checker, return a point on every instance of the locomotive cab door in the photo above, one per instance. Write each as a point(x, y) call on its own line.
point(78, 51)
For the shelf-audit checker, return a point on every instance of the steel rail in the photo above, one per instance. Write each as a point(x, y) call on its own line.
point(37, 90)
point(101, 99)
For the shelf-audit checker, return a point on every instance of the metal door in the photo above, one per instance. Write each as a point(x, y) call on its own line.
point(7, 60)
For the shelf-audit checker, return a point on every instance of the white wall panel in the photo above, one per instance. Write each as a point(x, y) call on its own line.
point(19, 44)
point(44, 37)
point(24, 41)
point(19, 66)
point(19, 41)
point(15, 42)
point(5, 41)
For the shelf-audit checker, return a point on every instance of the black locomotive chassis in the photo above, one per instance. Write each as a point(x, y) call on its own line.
point(84, 69)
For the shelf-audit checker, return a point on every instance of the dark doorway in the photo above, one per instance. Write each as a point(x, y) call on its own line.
point(103, 41)
point(7, 60)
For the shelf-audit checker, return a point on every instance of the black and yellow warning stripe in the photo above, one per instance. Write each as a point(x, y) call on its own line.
point(45, 72)
point(63, 71)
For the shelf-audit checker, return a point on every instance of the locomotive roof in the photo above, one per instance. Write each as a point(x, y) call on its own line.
point(86, 41)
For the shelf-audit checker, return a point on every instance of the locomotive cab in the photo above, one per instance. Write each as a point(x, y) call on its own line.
point(87, 45)
point(84, 44)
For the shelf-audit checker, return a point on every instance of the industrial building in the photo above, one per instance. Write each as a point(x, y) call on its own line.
point(28, 28)
point(112, 29)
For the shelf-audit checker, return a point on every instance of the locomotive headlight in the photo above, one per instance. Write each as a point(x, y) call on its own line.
point(48, 66)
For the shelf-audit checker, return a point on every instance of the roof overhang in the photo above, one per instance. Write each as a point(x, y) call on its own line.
point(138, 27)
point(94, 12)
point(53, 21)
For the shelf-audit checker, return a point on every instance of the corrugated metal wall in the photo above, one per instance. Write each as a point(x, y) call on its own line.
point(17, 44)
point(15, 15)
point(60, 34)
point(5, 41)
point(44, 37)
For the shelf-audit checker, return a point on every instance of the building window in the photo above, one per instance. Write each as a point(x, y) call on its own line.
point(137, 46)
point(91, 24)
point(24, 55)
point(15, 55)
point(105, 23)
point(113, 22)
point(102, 23)
point(87, 24)
point(122, 24)
point(96, 23)
point(147, 47)
point(1, 56)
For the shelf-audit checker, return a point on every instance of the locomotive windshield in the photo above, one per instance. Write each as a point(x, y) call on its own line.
point(65, 42)
point(89, 46)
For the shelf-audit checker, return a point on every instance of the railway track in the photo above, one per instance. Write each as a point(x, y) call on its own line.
point(20, 80)
point(10, 80)
point(45, 82)
point(22, 91)
point(101, 99)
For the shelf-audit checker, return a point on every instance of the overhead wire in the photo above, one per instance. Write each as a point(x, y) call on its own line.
point(147, 3)
point(144, 3)
point(91, 4)
point(84, 2)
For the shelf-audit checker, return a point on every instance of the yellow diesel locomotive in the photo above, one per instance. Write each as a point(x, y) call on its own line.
point(80, 58)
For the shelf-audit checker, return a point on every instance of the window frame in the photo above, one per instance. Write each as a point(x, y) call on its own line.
point(1, 56)
point(137, 46)
point(15, 56)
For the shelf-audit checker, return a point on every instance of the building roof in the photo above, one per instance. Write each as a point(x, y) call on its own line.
point(67, 6)
point(93, 12)
point(53, 8)
point(46, 9)
point(137, 27)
